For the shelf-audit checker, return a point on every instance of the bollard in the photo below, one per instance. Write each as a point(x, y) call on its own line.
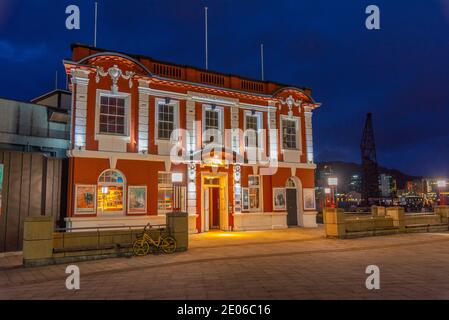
point(334, 222)
point(37, 240)
point(398, 215)
point(443, 212)
point(178, 225)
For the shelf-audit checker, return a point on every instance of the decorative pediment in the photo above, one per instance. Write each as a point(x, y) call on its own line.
point(115, 73)
point(290, 102)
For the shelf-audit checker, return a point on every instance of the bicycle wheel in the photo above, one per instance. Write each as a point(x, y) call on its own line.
point(141, 247)
point(168, 244)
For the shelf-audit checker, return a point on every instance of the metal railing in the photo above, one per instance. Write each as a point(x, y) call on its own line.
point(96, 232)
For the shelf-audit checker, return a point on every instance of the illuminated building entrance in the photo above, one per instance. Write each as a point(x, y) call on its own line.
point(214, 199)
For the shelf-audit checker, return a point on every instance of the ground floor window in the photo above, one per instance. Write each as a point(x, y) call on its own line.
point(251, 196)
point(164, 193)
point(110, 191)
point(110, 198)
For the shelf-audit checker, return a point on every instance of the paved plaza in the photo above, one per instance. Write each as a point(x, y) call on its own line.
point(286, 264)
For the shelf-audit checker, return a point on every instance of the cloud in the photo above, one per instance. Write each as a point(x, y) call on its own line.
point(21, 53)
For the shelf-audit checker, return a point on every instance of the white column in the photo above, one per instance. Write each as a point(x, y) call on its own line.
point(309, 133)
point(142, 129)
point(273, 135)
point(80, 80)
point(191, 189)
point(235, 137)
point(190, 126)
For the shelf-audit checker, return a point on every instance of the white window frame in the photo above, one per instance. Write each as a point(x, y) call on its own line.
point(166, 186)
point(259, 115)
point(245, 205)
point(175, 104)
point(260, 209)
point(220, 110)
point(122, 95)
point(297, 120)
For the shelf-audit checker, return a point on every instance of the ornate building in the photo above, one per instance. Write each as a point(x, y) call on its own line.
point(240, 151)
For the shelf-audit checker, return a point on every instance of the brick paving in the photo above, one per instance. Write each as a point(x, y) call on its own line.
point(285, 264)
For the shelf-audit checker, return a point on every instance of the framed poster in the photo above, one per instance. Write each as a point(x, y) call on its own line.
point(137, 199)
point(85, 199)
point(279, 199)
point(309, 199)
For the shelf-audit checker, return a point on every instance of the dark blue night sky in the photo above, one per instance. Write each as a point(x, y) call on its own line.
point(400, 73)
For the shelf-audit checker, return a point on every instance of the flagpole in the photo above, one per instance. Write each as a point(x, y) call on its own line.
point(207, 58)
point(95, 24)
point(261, 58)
point(56, 80)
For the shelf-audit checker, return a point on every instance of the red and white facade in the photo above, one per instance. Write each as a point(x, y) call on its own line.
point(242, 150)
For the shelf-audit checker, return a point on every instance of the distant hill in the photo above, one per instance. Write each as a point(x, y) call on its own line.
point(344, 170)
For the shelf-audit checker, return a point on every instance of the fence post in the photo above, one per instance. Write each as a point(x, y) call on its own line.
point(398, 215)
point(178, 224)
point(377, 211)
point(334, 222)
point(443, 212)
point(38, 240)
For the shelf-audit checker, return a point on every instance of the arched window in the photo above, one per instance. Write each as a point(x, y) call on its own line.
point(290, 183)
point(110, 191)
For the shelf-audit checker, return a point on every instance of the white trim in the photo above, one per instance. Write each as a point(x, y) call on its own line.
point(146, 199)
point(161, 158)
point(75, 209)
point(163, 93)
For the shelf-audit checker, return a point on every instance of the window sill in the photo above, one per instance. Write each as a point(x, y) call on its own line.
point(104, 136)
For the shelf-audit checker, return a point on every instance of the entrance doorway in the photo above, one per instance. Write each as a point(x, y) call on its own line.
point(292, 208)
point(214, 208)
point(294, 202)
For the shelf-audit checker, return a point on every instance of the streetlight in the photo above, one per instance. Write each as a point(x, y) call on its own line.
point(441, 184)
point(333, 182)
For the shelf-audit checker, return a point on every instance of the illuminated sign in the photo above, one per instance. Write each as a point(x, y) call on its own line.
point(176, 177)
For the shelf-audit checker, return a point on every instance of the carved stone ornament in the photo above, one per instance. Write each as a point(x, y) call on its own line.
point(290, 102)
point(115, 73)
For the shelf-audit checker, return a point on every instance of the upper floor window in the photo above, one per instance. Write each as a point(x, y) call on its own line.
point(166, 118)
point(290, 134)
point(212, 124)
point(253, 125)
point(112, 115)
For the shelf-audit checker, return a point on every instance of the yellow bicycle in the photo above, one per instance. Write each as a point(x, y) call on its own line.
point(144, 243)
